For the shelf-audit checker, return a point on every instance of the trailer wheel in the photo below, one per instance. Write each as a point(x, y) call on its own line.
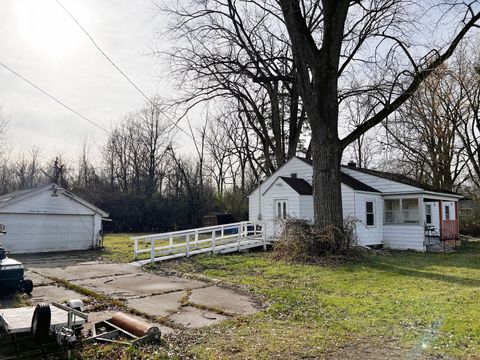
point(41, 322)
point(26, 286)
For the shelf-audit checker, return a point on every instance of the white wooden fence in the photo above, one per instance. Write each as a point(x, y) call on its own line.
point(219, 238)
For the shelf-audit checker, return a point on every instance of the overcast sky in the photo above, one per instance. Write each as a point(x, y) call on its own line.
point(40, 42)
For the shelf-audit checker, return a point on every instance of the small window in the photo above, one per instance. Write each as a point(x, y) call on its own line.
point(293, 175)
point(466, 212)
point(370, 213)
point(428, 214)
point(447, 212)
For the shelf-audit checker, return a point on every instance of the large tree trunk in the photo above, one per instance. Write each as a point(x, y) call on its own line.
point(327, 195)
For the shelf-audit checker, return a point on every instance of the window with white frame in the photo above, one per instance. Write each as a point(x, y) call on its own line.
point(428, 214)
point(401, 211)
point(370, 213)
point(447, 212)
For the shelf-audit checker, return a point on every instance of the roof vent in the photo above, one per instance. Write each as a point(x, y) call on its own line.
point(352, 164)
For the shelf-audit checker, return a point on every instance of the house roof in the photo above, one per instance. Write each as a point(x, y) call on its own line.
point(401, 179)
point(348, 180)
point(15, 196)
point(301, 186)
point(356, 184)
point(393, 177)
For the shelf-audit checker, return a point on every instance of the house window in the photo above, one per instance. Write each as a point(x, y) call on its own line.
point(370, 213)
point(447, 212)
point(401, 211)
point(465, 212)
point(293, 175)
point(428, 214)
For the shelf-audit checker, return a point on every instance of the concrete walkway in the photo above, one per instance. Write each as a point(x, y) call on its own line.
point(181, 302)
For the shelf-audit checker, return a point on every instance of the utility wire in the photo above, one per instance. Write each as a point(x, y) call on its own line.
point(174, 123)
point(53, 98)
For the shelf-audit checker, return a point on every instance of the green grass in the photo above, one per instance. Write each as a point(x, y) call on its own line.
point(411, 304)
point(119, 247)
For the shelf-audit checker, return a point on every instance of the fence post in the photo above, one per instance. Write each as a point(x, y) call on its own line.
point(187, 246)
point(213, 241)
point(135, 249)
point(196, 237)
point(170, 242)
point(222, 233)
point(239, 237)
point(152, 250)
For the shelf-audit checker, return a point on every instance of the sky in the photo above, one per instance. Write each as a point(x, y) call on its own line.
point(42, 43)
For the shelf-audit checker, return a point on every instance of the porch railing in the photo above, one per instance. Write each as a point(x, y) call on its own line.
point(207, 238)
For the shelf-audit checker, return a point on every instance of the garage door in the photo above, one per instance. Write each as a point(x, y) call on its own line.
point(30, 233)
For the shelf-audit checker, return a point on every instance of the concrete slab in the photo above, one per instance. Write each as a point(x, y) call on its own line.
point(228, 300)
point(194, 318)
point(158, 305)
point(51, 293)
point(86, 271)
point(38, 280)
point(140, 284)
point(94, 317)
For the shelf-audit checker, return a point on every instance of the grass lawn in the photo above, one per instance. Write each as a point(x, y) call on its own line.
point(399, 305)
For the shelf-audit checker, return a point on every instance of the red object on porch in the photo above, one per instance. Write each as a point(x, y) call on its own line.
point(449, 230)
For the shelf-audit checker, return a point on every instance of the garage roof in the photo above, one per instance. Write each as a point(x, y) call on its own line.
point(16, 196)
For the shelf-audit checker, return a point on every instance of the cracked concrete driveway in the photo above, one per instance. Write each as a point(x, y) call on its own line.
point(182, 302)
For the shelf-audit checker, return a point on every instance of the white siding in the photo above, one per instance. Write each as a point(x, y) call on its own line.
point(306, 207)
point(35, 233)
point(97, 228)
point(451, 204)
point(293, 166)
point(348, 202)
point(45, 203)
point(404, 237)
point(369, 235)
point(380, 184)
point(279, 190)
point(435, 214)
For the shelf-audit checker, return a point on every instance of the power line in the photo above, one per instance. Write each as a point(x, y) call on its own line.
point(174, 123)
point(53, 98)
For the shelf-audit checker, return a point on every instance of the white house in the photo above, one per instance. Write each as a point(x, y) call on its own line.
point(389, 209)
point(47, 219)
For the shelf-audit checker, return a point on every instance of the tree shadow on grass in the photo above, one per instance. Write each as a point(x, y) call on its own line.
point(428, 275)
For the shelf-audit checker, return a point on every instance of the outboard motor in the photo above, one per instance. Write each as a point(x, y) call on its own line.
point(12, 273)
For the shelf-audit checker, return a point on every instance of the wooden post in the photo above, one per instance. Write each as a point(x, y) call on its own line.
point(152, 251)
point(135, 249)
point(457, 222)
point(239, 237)
point(196, 237)
point(440, 220)
point(213, 241)
point(170, 242)
point(187, 246)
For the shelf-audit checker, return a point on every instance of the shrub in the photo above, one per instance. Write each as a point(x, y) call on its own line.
point(301, 241)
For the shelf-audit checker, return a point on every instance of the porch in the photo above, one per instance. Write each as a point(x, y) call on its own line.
point(431, 219)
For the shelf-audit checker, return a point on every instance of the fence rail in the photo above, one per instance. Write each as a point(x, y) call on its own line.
point(205, 239)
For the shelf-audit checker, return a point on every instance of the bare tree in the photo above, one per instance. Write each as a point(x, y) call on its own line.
point(424, 130)
point(233, 53)
point(339, 45)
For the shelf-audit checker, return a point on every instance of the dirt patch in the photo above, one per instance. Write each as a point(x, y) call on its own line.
point(369, 349)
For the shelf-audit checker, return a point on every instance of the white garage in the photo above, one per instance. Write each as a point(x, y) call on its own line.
point(49, 219)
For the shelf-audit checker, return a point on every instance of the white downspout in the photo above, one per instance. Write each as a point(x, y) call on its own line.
point(259, 216)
